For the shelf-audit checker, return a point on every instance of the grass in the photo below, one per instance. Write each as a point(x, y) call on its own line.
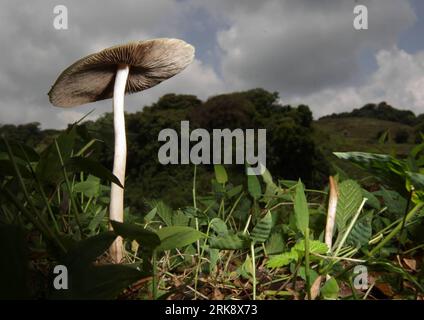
point(261, 239)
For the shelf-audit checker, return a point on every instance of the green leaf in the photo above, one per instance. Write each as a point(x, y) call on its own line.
point(230, 242)
point(246, 270)
point(84, 252)
point(147, 239)
point(417, 180)
point(89, 187)
point(271, 188)
point(315, 246)
point(163, 211)
point(275, 243)
point(282, 259)
point(220, 173)
point(97, 219)
point(387, 169)
point(49, 167)
point(361, 232)
point(262, 229)
point(180, 219)
point(330, 290)
point(296, 252)
point(394, 202)
point(301, 211)
point(234, 191)
point(150, 215)
point(348, 203)
point(177, 237)
point(92, 167)
point(99, 282)
point(219, 227)
point(254, 186)
point(372, 199)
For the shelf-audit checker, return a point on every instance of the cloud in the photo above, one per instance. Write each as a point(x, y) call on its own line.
point(35, 53)
point(306, 50)
point(399, 80)
point(296, 47)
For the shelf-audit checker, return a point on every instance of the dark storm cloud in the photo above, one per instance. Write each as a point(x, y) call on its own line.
point(307, 50)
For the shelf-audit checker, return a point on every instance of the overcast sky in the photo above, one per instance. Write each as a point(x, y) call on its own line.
point(307, 50)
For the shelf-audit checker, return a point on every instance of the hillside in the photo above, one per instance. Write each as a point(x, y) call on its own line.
point(360, 134)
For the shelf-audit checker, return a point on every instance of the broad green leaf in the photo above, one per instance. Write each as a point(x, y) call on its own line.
point(230, 242)
point(146, 238)
point(213, 258)
point(315, 246)
point(296, 252)
point(394, 202)
point(254, 186)
point(150, 215)
point(387, 169)
point(372, 199)
point(301, 211)
point(89, 187)
point(271, 189)
point(246, 270)
point(177, 237)
point(361, 232)
point(180, 219)
point(330, 290)
point(81, 164)
point(163, 211)
point(282, 259)
point(49, 167)
point(312, 274)
point(234, 191)
point(275, 243)
point(220, 173)
point(348, 203)
point(98, 218)
point(84, 252)
point(219, 227)
point(262, 229)
point(99, 282)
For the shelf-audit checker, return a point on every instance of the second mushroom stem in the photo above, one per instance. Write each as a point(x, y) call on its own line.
point(116, 208)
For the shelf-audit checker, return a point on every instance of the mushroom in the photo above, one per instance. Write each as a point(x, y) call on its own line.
point(113, 72)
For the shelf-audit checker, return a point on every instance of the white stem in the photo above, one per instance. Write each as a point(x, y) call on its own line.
point(116, 208)
point(331, 214)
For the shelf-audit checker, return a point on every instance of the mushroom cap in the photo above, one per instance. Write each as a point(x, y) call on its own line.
point(92, 78)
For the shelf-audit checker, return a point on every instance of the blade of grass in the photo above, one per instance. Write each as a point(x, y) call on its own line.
point(41, 190)
point(68, 186)
point(397, 229)
point(307, 265)
point(40, 223)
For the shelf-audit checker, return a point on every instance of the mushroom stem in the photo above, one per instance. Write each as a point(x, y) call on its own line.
point(116, 208)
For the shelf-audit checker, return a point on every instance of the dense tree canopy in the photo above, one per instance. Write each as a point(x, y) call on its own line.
point(291, 151)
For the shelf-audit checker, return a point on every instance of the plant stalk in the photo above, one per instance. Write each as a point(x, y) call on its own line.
point(116, 208)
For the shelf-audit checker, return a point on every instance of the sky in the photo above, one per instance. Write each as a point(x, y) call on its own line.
point(306, 50)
